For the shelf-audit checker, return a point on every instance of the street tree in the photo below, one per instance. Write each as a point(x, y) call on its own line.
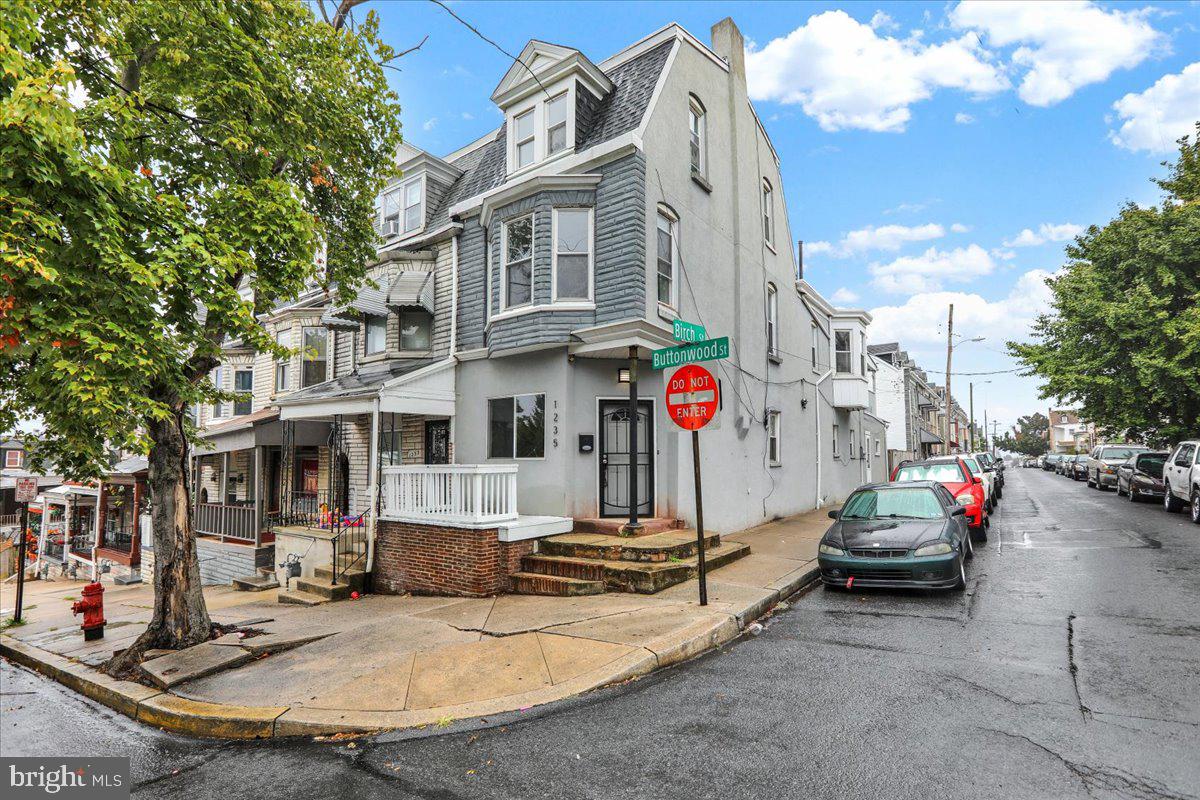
point(1028, 437)
point(168, 170)
point(1122, 340)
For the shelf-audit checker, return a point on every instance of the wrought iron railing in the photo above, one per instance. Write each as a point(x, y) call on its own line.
point(82, 544)
point(121, 540)
point(304, 509)
point(349, 544)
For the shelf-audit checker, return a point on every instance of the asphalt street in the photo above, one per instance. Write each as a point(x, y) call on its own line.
point(1070, 668)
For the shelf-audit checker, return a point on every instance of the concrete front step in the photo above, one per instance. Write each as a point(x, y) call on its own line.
point(256, 583)
point(298, 598)
point(555, 585)
point(564, 567)
point(658, 547)
point(614, 527)
point(355, 578)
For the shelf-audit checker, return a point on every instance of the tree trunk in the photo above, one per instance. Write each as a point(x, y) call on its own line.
point(180, 616)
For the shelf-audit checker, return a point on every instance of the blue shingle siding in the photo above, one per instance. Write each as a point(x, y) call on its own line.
point(540, 327)
point(435, 194)
point(472, 272)
point(621, 240)
point(587, 106)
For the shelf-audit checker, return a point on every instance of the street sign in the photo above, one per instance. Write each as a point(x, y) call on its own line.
point(27, 490)
point(692, 397)
point(687, 332)
point(709, 350)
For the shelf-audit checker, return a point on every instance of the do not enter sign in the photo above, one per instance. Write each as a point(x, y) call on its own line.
point(692, 397)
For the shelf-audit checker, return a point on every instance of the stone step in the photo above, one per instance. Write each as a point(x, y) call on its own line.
point(615, 527)
point(659, 547)
point(555, 585)
point(299, 598)
point(323, 587)
point(564, 567)
point(256, 583)
point(355, 578)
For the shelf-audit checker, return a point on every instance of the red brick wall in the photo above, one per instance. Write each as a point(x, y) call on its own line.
point(427, 559)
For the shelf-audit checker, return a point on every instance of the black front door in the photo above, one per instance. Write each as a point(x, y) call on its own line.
point(437, 441)
point(615, 460)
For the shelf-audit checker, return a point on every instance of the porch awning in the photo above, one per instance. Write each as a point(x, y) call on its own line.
point(348, 394)
point(930, 438)
point(412, 288)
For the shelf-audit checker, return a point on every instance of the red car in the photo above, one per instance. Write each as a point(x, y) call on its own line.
point(951, 472)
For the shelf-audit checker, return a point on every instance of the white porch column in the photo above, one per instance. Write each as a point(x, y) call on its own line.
point(258, 492)
point(224, 478)
point(96, 523)
point(373, 483)
point(42, 534)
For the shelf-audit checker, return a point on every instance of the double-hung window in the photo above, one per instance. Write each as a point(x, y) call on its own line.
point(416, 329)
point(862, 354)
point(556, 123)
point(12, 459)
point(841, 352)
point(283, 366)
point(517, 426)
point(852, 442)
point(518, 262)
point(774, 453)
point(315, 361)
point(413, 205)
point(696, 136)
point(218, 379)
point(772, 320)
point(768, 212)
point(523, 144)
point(667, 257)
point(243, 383)
point(837, 433)
point(376, 333)
point(572, 254)
point(401, 209)
point(812, 350)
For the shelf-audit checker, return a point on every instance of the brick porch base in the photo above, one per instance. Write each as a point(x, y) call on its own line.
point(428, 559)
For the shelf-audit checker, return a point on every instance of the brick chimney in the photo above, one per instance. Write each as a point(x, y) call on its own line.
point(729, 44)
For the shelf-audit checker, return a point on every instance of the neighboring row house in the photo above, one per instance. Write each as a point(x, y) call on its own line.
point(1069, 433)
point(913, 405)
point(474, 397)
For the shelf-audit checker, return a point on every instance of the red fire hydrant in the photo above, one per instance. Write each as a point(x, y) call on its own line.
point(92, 607)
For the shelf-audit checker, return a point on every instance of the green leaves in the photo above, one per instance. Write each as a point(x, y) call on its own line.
point(157, 185)
point(1123, 340)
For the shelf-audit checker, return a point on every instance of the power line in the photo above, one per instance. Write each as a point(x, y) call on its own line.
point(480, 34)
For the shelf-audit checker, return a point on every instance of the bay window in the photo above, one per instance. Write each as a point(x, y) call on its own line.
point(572, 254)
point(283, 366)
point(376, 329)
point(243, 383)
point(416, 329)
point(841, 352)
point(315, 357)
point(517, 261)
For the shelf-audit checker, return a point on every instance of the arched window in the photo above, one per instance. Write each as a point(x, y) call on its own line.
point(768, 212)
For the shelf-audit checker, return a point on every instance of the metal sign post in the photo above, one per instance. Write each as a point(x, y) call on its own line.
point(26, 492)
point(693, 397)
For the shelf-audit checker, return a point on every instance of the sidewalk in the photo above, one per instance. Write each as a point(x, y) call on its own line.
point(384, 662)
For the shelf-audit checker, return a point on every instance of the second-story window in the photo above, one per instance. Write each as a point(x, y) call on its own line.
point(376, 338)
point(772, 320)
point(218, 379)
point(862, 354)
point(768, 211)
point(12, 459)
point(556, 124)
point(283, 366)
point(666, 256)
point(524, 143)
point(401, 209)
point(518, 262)
point(416, 328)
point(812, 350)
point(243, 382)
point(315, 341)
point(572, 254)
point(696, 134)
point(841, 352)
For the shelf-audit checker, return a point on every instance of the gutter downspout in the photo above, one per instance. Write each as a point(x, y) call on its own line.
point(373, 486)
point(453, 323)
point(820, 451)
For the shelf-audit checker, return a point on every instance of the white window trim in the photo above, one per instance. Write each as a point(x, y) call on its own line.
point(568, 120)
point(774, 418)
point(488, 439)
point(772, 319)
point(591, 235)
point(673, 301)
point(367, 338)
point(217, 410)
point(834, 351)
point(400, 332)
point(402, 188)
point(303, 360)
point(538, 104)
point(697, 108)
point(837, 448)
point(10, 462)
point(520, 311)
point(532, 217)
point(768, 212)
point(813, 347)
point(233, 406)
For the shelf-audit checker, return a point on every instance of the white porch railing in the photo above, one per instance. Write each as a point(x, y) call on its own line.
point(464, 494)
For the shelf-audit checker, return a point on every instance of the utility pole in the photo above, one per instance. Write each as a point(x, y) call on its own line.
point(993, 448)
point(971, 405)
point(949, 353)
point(986, 440)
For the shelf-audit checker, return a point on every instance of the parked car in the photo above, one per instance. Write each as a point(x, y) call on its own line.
point(1050, 461)
point(952, 473)
point(990, 481)
point(994, 465)
point(1181, 479)
point(897, 535)
point(1030, 461)
point(1078, 467)
point(1142, 476)
point(1064, 461)
point(1104, 460)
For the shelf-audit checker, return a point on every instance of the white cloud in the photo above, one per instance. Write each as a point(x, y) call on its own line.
point(958, 227)
point(963, 118)
point(910, 208)
point(1155, 118)
point(1002, 255)
point(882, 21)
point(1046, 232)
point(884, 237)
point(844, 296)
point(468, 115)
point(928, 271)
point(918, 321)
point(844, 74)
point(429, 124)
point(1061, 46)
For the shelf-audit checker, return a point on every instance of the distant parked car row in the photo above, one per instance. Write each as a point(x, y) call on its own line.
point(1137, 472)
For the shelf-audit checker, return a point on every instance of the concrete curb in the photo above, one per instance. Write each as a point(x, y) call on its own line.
point(213, 720)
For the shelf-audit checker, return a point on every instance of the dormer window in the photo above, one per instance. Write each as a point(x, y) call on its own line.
point(543, 127)
point(556, 124)
point(401, 208)
point(523, 130)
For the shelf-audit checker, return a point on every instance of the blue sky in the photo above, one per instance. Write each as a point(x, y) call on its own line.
point(932, 153)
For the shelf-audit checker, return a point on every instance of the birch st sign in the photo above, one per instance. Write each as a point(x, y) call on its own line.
point(709, 350)
point(688, 332)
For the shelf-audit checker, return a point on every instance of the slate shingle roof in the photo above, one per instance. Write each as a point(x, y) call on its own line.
point(366, 379)
point(485, 168)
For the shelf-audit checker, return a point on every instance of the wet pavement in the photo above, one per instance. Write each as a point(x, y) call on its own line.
point(1070, 668)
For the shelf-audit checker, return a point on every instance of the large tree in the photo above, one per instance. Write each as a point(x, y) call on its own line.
point(167, 170)
point(1028, 437)
point(1123, 338)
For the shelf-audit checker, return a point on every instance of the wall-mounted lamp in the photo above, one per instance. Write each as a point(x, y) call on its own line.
point(623, 375)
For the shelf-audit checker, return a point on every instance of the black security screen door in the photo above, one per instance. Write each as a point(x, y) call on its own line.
point(615, 460)
point(437, 441)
